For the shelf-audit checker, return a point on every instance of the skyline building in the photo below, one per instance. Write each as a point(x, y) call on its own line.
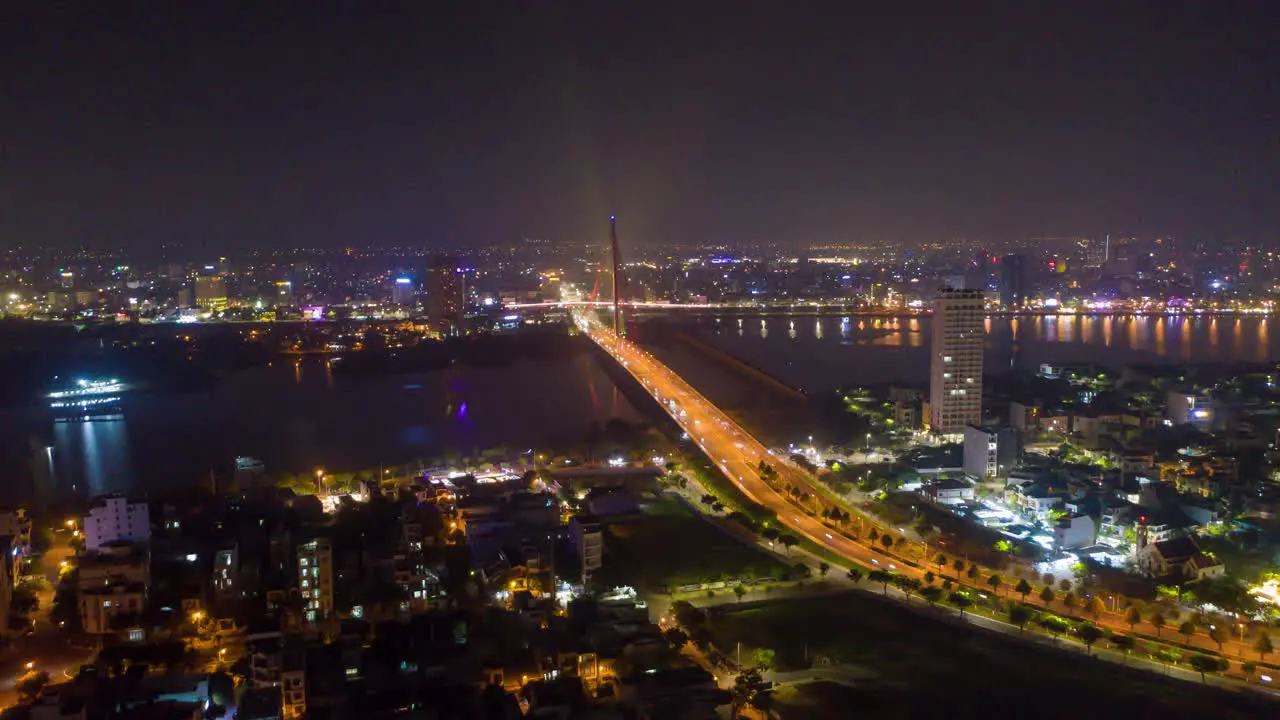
point(403, 291)
point(446, 293)
point(211, 293)
point(955, 369)
point(1013, 281)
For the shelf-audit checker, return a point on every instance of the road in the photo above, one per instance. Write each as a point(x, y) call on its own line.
point(45, 649)
point(738, 455)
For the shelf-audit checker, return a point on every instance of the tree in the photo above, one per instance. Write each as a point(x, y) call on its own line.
point(748, 685)
point(1187, 629)
point(1206, 664)
point(1157, 620)
point(884, 577)
point(764, 658)
point(824, 567)
point(931, 593)
point(677, 638)
point(740, 591)
point(940, 561)
point(886, 540)
point(1054, 624)
point(1047, 579)
point(1004, 546)
point(1064, 585)
point(1218, 634)
point(994, 581)
point(1248, 668)
point(1263, 646)
point(1123, 643)
point(30, 685)
point(1024, 588)
point(958, 565)
point(961, 600)
point(1168, 595)
point(1089, 634)
point(788, 542)
point(907, 585)
point(972, 572)
point(1069, 600)
point(1094, 606)
point(873, 534)
point(1047, 595)
point(929, 577)
point(855, 575)
point(1019, 615)
point(1133, 616)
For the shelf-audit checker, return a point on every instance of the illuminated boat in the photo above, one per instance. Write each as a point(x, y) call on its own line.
point(86, 399)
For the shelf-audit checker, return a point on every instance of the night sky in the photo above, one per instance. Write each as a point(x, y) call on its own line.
point(464, 124)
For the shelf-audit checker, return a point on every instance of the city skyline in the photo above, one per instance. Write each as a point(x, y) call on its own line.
point(448, 127)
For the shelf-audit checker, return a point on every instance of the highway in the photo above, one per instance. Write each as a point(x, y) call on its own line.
point(738, 456)
point(734, 451)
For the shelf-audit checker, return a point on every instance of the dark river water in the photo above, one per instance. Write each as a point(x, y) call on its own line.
point(824, 353)
point(819, 354)
point(298, 418)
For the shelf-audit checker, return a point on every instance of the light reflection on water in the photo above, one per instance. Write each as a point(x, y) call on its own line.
point(296, 418)
point(874, 350)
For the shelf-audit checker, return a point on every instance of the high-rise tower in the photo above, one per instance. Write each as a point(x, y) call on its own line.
point(955, 370)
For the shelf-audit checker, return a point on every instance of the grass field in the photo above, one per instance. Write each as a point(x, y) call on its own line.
point(670, 546)
point(913, 665)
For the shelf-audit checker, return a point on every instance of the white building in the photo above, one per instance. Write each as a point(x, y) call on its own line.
point(955, 370)
point(114, 518)
point(589, 539)
point(988, 453)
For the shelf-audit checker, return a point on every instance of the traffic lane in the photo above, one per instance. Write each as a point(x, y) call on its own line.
point(717, 440)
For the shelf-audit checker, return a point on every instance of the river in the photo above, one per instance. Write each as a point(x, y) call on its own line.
point(823, 353)
point(300, 417)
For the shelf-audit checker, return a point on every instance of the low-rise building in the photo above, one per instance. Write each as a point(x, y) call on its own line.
point(114, 518)
point(588, 538)
point(1179, 557)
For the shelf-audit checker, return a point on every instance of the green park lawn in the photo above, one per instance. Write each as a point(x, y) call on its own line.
point(669, 546)
point(913, 665)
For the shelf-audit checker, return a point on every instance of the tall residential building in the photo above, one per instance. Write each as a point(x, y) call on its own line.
point(446, 292)
point(284, 292)
point(1013, 281)
point(211, 293)
point(403, 292)
point(955, 371)
point(113, 518)
point(315, 578)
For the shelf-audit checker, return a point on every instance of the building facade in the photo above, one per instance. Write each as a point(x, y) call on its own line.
point(211, 293)
point(446, 293)
point(315, 578)
point(113, 518)
point(955, 371)
point(1013, 281)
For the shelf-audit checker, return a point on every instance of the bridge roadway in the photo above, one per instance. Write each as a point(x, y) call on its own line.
point(732, 449)
point(738, 455)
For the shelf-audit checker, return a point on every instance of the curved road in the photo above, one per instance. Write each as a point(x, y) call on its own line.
point(738, 456)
